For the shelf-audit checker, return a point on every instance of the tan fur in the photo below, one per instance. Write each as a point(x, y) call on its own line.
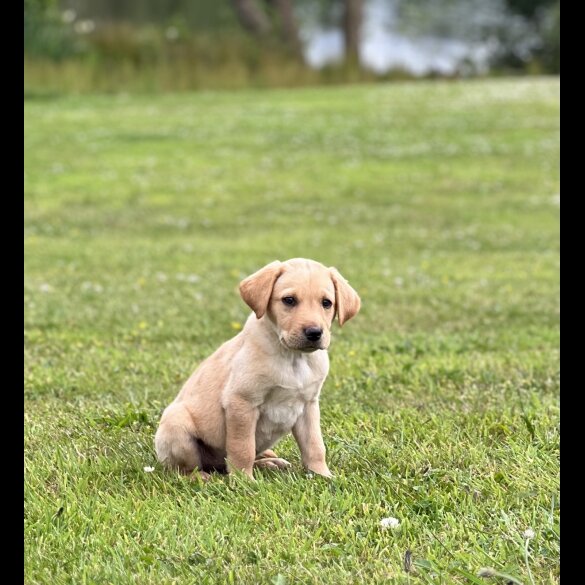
point(348, 302)
point(263, 383)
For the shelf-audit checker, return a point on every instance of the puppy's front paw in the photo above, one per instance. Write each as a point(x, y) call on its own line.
point(243, 475)
point(321, 470)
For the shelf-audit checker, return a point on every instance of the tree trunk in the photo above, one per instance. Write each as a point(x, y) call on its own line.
point(289, 25)
point(352, 24)
point(251, 17)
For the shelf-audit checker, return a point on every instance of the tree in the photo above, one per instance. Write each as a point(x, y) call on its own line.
point(251, 17)
point(516, 32)
point(546, 14)
point(272, 18)
point(352, 26)
point(528, 8)
point(345, 15)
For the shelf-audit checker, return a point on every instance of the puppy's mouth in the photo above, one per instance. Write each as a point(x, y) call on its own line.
point(304, 346)
point(310, 348)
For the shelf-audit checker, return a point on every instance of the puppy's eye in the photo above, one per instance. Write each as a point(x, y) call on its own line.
point(327, 304)
point(290, 301)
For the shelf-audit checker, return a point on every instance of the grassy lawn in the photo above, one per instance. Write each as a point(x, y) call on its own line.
point(439, 202)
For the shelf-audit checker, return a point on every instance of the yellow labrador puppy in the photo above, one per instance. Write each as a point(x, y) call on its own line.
point(265, 382)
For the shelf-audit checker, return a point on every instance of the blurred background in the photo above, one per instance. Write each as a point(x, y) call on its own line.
point(149, 45)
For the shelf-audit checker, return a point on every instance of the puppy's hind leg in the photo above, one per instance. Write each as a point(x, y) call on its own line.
point(176, 441)
point(267, 453)
point(269, 459)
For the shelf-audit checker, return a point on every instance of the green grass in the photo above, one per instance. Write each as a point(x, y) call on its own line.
point(438, 201)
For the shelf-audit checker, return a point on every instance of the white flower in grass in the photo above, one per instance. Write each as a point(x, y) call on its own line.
point(486, 572)
point(528, 534)
point(392, 523)
point(148, 469)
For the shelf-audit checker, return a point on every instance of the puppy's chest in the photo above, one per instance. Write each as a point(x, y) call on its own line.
point(285, 402)
point(281, 410)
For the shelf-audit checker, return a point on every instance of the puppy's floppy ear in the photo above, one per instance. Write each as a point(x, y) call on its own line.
point(347, 301)
point(256, 290)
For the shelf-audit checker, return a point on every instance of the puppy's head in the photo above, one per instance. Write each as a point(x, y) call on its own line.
point(301, 298)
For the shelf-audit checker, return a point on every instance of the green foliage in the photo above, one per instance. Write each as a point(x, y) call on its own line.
point(438, 201)
point(144, 59)
point(196, 14)
point(523, 36)
point(538, 47)
point(551, 51)
point(109, 45)
point(530, 8)
point(45, 33)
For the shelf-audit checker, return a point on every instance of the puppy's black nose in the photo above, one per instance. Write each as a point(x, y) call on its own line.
point(313, 333)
